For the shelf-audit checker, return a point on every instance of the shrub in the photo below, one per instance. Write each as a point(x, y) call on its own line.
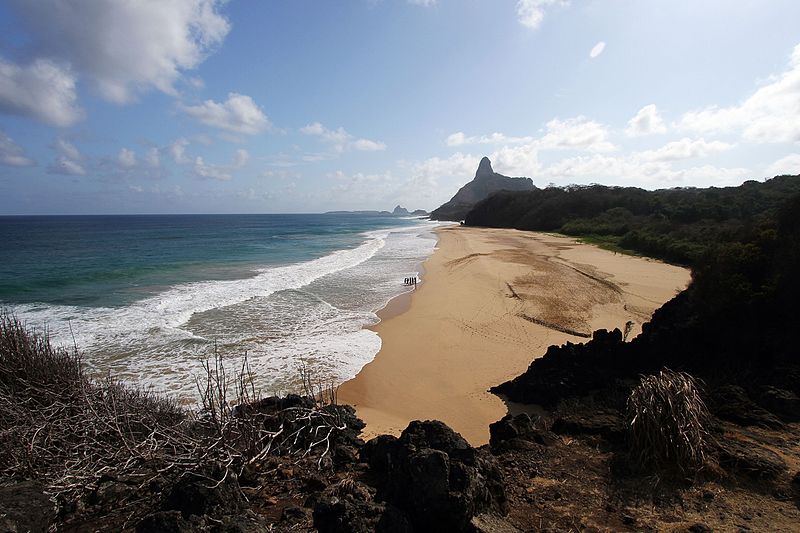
point(668, 422)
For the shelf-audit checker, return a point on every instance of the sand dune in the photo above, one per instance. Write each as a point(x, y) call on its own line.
point(494, 299)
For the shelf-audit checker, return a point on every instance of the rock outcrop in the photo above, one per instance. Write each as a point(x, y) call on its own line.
point(428, 479)
point(485, 183)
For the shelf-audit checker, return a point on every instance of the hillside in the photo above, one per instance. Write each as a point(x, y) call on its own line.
point(485, 183)
point(678, 225)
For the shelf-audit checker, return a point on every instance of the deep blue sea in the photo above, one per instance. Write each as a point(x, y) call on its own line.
point(148, 297)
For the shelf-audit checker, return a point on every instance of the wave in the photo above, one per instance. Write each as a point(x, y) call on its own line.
point(174, 307)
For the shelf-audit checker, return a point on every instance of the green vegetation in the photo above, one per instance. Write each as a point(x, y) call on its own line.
point(677, 225)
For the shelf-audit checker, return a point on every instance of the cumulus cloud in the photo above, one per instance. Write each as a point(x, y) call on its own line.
point(204, 170)
point(785, 166)
point(460, 139)
point(770, 115)
point(647, 121)
point(340, 140)
point(597, 49)
point(576, 133)
point(126, 158)
point(42, 90)
point(238, 114)
point(240, 158)
point(685, 149)
point(11, 153)
point(531, 12)
point(130, 47)
point(152, 157)
point(66, 167)
point(178, 151)
point(633, 170)
point(69, 160)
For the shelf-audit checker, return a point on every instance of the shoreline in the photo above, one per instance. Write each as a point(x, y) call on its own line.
point(485, 310)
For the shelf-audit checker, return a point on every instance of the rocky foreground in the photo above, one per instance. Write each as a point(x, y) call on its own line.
point(569, 470)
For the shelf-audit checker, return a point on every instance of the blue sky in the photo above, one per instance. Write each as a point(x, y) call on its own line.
point(204, 106)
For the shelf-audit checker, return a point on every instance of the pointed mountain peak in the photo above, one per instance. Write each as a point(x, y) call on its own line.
point(485, 168)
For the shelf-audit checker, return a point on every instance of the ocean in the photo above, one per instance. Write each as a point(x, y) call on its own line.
point(148, 298)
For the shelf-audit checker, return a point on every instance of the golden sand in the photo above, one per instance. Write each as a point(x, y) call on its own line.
point(493, 300)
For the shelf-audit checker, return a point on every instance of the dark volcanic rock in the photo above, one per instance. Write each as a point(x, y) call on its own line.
point(485, 183)
point(783, 403)
point(572, 370)
point(518, 432)
point(167, 522)
point(731, 402)
point(24, 507)
point(434, 476)
point(750, 460)
point(606, 423)
point(194, 496)
point(350, 507)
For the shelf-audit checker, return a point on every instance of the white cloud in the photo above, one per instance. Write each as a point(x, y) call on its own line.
point(531, 12)
point(126, 48)
point(11, 153)
point(646, 122)
point(126, 158)
point(424, 3)
point(240, 158)
point(597, 49)
point(69, 161)
point(571, 133)
point(770, 115)
point(42, 90)
point(460, 139)
point(632, 170)
point(366, 145)
point(178, 151)
point(576, 133)
point(204, 170)
point(65, 166)
point(685, 149)
point(340, 140)
point(67, 149)
point(789, 165)
point(153, 157)
point(239, 114)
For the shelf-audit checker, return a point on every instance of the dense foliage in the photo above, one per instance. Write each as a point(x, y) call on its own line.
point(679, 225)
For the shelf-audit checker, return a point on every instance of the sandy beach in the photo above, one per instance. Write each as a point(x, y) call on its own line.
point(493, 300)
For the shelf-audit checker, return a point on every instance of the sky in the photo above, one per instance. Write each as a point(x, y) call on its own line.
point(293, 106)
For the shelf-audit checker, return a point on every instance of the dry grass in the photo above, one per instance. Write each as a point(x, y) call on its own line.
point(70, 432)
point(668, 423)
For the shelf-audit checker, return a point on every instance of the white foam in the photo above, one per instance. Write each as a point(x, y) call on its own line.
point(159, 340)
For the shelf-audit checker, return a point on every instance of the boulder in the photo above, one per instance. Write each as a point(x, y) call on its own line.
point(433, 475)
point(350, 507)
point(518, 433)
point(784, 403)
point(24, 507)
point(731, 402)
point(606, 423)
point(751, 460)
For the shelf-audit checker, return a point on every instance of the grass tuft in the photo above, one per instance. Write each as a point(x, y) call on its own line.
point(668, 423)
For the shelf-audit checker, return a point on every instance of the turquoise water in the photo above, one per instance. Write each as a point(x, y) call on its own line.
point(148, 297)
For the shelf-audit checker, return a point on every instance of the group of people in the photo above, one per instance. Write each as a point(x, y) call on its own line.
point(411, 281)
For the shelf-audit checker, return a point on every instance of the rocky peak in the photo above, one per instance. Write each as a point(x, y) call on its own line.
point(485, 168)
point(400, 211)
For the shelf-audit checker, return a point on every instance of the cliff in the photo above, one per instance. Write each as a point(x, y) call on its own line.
point(485, 183)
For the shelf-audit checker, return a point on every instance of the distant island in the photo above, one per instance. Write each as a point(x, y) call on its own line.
point(398, 211)
point(485, 183)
